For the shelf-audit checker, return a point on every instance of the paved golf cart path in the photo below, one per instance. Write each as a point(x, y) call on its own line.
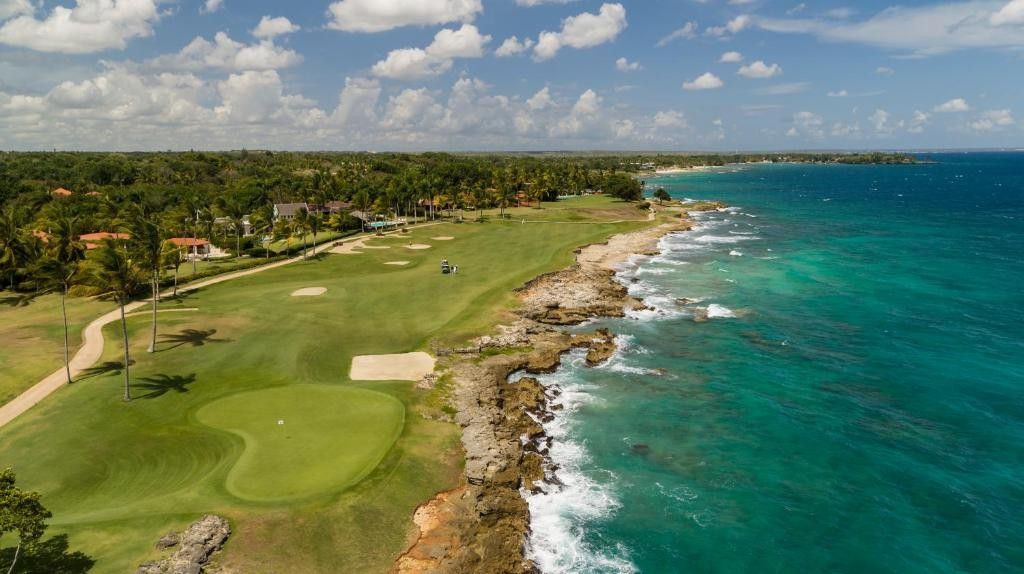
point(92, 341)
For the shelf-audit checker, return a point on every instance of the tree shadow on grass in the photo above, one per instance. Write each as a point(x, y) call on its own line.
point(160, 385)
point(105, 368)
point(194, 337)
point(51, 556)
point(17, 299)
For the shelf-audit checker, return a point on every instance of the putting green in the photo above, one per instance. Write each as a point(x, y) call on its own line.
point(304, 440)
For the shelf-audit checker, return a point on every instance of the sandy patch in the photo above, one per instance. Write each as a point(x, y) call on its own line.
point(445, 238)
point(417, 246)
point(400, 263)
point(404, 367)
point(309, 292)
point(376, 247)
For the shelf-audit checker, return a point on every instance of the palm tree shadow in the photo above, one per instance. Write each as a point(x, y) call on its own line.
point(194, 337)
point(105, 368)
point(17, 300)
point(50, 556)
point(160, 385)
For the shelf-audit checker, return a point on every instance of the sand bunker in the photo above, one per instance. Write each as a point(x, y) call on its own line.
point(405, 367)
point(376, 247)
point(445, 238)
point(417, 246)
point(309, 292)
point(396, 263)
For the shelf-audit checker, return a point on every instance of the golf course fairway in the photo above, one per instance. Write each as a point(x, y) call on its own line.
point(304, 440)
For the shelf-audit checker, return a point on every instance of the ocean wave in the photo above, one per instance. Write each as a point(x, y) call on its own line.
point(716, 311)
point(724, 238)
point(735, 253)
point(558, 515)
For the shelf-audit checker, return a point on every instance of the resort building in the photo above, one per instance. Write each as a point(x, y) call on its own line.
point(92, 240)
point(197, 248)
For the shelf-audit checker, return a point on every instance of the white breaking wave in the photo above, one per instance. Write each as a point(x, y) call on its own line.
point(559, 516)
point(724, 239)
point(735, 253)
point(716, 311)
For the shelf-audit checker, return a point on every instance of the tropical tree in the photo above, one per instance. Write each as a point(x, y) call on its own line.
point(13, 245)
point(112, 269)
point(170, 258)
point(21, 512)
point(147, 242)
point(58, 268)
point(301, 225)
point(661, 195)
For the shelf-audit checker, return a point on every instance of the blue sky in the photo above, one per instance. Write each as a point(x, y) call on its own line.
point(510, 74)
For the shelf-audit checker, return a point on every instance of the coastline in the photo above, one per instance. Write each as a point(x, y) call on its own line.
point(484, 524)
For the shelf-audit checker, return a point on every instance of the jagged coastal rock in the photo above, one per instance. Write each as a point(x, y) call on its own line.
point(482, 526)
point(194, 547)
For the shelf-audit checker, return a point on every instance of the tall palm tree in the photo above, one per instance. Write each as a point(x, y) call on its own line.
point(59, 266)
point(112, 269)
point(301, 224)
point(147, 242)
point(170, 258)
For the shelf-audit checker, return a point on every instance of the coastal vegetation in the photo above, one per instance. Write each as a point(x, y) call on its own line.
point(183, 447)
point(235, 398)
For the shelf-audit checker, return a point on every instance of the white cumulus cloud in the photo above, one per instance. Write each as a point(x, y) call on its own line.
point(952, 106)
point(1011, 13)
point(226, 54)
point(512, 46)
point(381, 15)
point(705, 81)
point(435, 59)
point(760, 70)
point(90, 26)
point(730, 58)
point(584, 30)
point(270, 28)
point(624, 65)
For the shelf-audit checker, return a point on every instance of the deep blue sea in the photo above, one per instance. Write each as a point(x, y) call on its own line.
point(853, 403)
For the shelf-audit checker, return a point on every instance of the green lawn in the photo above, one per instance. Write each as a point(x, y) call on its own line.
point(198, 439)
point(304, 440)
point(32, 337)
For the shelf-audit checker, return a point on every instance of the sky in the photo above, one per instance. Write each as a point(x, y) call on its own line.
point(378, 75)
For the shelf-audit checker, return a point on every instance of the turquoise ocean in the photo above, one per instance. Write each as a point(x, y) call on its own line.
point(853, 403)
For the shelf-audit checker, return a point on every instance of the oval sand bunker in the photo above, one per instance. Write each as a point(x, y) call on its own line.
point(445, 238)
point(418, 246)
point(310, 292)
point(398, 263)
point(404, 367)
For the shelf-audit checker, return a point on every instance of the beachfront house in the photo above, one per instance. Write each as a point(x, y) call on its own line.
point(195, 248)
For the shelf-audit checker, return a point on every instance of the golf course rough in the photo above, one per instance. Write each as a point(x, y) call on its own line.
point(304, 440)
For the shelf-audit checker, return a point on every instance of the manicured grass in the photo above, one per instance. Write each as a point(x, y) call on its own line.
point(118, 475)
point(32, 337)
point(303, 440)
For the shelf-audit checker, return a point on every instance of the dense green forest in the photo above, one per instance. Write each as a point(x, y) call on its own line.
point(210, 195)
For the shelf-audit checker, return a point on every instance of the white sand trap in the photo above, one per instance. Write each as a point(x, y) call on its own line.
point(405, 367)
point(445, 238)
point(376, 247)
point(396, 263)
point(310, 292)
point(417, 246)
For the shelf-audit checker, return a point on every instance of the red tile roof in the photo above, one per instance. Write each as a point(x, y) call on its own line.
point(188, 242)
point(91, 239)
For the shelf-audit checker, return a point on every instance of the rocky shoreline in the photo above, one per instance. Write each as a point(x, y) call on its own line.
point(482, 526)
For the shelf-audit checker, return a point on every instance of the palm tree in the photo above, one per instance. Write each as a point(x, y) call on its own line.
point(171, 258)
point(58, 268)
point(301, 224)
point(147, 240)
point(14, 245)
point(112, 269)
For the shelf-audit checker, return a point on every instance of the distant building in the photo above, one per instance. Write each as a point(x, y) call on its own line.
point(197, 248)
point(288, 211)
point(226, 222)
point(92, 240)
